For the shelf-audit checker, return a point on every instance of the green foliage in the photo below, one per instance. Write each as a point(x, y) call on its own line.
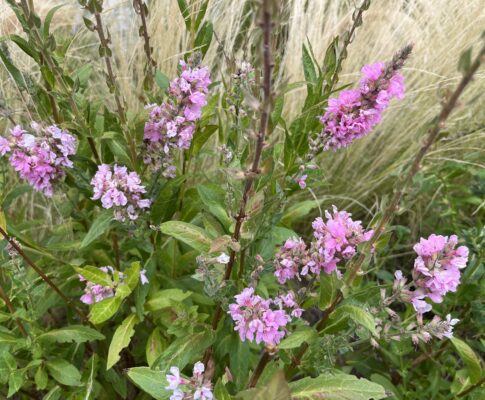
point(214, 229)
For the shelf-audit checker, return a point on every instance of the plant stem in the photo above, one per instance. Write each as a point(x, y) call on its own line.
point(11, 308)
point(263, 361)
point(266, 26)
point(357, 21)
point(140, 9)
point(42, 275)
point(433, 132)
point(112, 83)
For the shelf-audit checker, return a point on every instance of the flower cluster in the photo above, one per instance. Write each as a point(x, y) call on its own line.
point(436, 327)
point(289, 259)
point(196, 388)
point(256, 320)
point(94, 292)
point(40, 158)
point(334, 240)
point(121, 190)
point(171, 125)
point(355, 112)
point(437, 267)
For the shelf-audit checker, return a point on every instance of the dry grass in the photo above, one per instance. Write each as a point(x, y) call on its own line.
point(439, 29)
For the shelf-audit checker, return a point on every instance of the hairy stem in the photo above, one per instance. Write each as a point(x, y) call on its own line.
point(251, 175)
point(263, 361)
point(140, 9)
point(112, 82)
point(44, 277)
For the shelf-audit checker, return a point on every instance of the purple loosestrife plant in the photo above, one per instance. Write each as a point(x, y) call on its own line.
point(171, 125)
point(121, 190)
point(41, 156)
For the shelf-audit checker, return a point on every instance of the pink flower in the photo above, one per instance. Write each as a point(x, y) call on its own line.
point(437, 267)
point(143, 277)
point(256, 320)
point(41, 156)
point(4, 146)
point(335, 240)
point(93, 293)
point(197, 388)
point(354, 113)
point(171, 125)
point(121, 190)
point(289, 259)
point(301, 180)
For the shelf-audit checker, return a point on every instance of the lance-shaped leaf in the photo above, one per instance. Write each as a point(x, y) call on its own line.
point(104, 310)
point(95, 275)
point(336, 387)
point(184, 349)
point(190, 234)
point(121, 339)
point(150, 381)
point(470, 359)
point(99, 226)
point(72, 333)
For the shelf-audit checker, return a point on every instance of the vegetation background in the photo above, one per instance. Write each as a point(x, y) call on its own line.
point(448, 195)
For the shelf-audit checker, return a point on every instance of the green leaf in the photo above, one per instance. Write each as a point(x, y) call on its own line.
point(100, 226)
point(15, 382)
point(276, 388)
point(156, 344)
point(204, 37)
point(328, 290)
point(213, 200)
point(132, 276)
point(184, 350)
point(150, 381)
point(48, 75)
point(201, 137)
point(95, 275)
point(185, 11)
point(25, 46)
point(359, 316)
point(162, 80)
point(64, 372)
point(41, 378)
point(308, 67)
point(336, 387)
point(298, 337)
point(117, 144)
point(7, 364)
point(104, 310)
point(470, 359)
point(72, 333)
point(54, 394)
point(121, 339)
point(164, 298)
point(190, 234)
point(7, 339)
point(299, 210)
point(48, 20)
point(220, 391)
point(12, 70)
